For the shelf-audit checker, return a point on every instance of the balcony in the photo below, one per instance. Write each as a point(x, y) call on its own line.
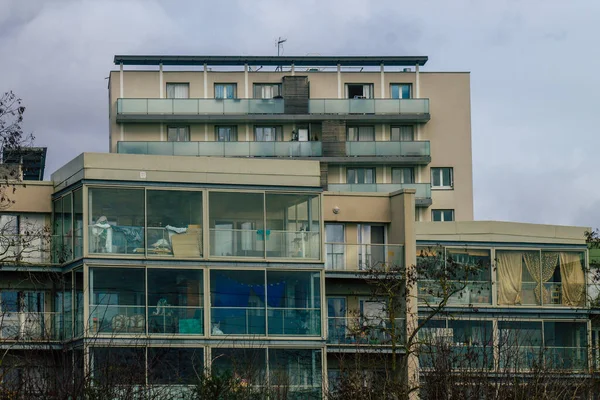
point(223, 149)
point(358, 331)
point(362, 257)
point(368, 106)
point(32, 326)
point(423, 195)
point(472, 293)
point(156, 109)
point(388, 149)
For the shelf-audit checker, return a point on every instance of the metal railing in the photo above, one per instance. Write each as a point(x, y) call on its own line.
point(368, 106)
point(223, 149)
point(361, 257)
point(423, 189)
point(388, 148)
point(199, 106)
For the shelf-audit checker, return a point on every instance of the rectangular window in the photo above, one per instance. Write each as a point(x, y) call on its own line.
point(360, 175)
point(360, 134)
point(403, 133)
point(178, 134)
point(225, 90)
point(442, 215)
point(442, 177)
point(401, 90)
point(268, 133)
point(359, 91)
point(267, 90)
point(178, 90)
point(403, 175)
point(226, 133)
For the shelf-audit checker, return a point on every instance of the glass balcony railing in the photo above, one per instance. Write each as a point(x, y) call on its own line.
point(251, 243)
point(199, 106)
point(238, 321)
point(423, 189)
point(361, 331)
point(294, 321)
point(382, 149)
point(223, 149)
point(117, 319)
point(458, 292)
point(461, 355)
point(368, 106)
point(555, 358)
point(31, 326)
point(362, 257)
point(175, 320)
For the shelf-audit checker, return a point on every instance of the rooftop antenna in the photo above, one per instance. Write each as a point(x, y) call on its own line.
point(280, 42)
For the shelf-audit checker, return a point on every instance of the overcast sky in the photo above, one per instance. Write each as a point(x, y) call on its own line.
point(534, 75)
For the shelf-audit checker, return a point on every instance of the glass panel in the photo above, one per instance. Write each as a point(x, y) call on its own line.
point(472, 344)
point(133, 106)
point(160, 106)
point(472, 269)
point(296, 370)
point(175, 303)
point(216, 149)
point(117, 301)
point(292, 226)
point(226, 133)
point(161, 148)
point(67, 226)
point(403, 175)
point(185, 106)
point(247, 365)
point(174, 223)
point(173, 366)
point(446, 176)
point(515, 266)
point(78, 223)
point(294, 303)
point(113, 366)
point(116, 220)
point(520, 344)
point(236, 224)
point(237, 302)
point(566, 344)
point(78, 297)
point(67, 299)
point(562, 278)
point(334, 236)
point(178, 90)
point(132, 147)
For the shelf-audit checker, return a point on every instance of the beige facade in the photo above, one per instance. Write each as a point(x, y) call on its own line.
point(448, 130)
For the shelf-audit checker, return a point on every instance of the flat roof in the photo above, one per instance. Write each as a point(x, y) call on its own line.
point(302, 61)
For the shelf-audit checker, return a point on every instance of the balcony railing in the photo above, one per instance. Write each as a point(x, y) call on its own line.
point(199, 106)
point(31, 326)
point(361, 331)
point(423, 189)
point(555, 358)
point(363, 257)
point(457, 292)
point(388, 148)
point(368, 106)
point(223, 149)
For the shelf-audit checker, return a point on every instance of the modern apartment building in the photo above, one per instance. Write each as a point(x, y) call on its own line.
point(239, 211)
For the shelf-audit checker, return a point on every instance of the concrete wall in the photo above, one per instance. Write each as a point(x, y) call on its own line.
point(30, 197)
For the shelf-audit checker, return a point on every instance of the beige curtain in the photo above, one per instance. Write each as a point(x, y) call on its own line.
point(573, 279)
point(541, 272)
point(510, 277)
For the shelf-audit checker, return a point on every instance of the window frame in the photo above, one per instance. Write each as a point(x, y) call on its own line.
point(358, 134)
point(278, 132)
point(225, 84)
point(410, 90)
point(392, 127)
point(356, 175)
point(412, 174)
point(261, 85)
point(363, 97)
point(441, 177)
point(442, 212)
point(174, 84)
point(179, 129)
point(233, 132)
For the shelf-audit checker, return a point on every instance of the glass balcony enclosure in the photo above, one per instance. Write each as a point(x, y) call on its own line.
point(154, 222)
point(531, 278)
point(199, 106)
point(362, 257)
point(224, 149)
point(388, 148)
point(246, 302)
point(67, 227)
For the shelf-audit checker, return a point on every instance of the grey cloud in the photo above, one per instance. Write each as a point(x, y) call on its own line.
point(533, 75)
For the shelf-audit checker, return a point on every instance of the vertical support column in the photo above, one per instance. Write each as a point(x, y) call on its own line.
point(247, 132)
point(161, 89)
point(417, 83)
point(205, 81)
point(293, 69)
point(382, 82)
point(246, 81)
point(206, 132)
point(121, 94)
point(496, 343)
point(162, 132)
point(339, 81)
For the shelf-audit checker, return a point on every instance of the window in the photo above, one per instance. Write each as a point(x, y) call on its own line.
point(361, 133)
point(401, 91)
point(403, 175)
point(360, 175)
point(226, 133)
point(178, 90)
point(178, 134)
point(359, 91)
point(442, 215)
point(225, 90)
point(267, 90)
point(404, 133)
point(442, 177)
point(268, 133)
point(335, 247)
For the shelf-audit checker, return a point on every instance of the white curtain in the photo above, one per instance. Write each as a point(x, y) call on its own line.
point(510, 277)
point(178, 90)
